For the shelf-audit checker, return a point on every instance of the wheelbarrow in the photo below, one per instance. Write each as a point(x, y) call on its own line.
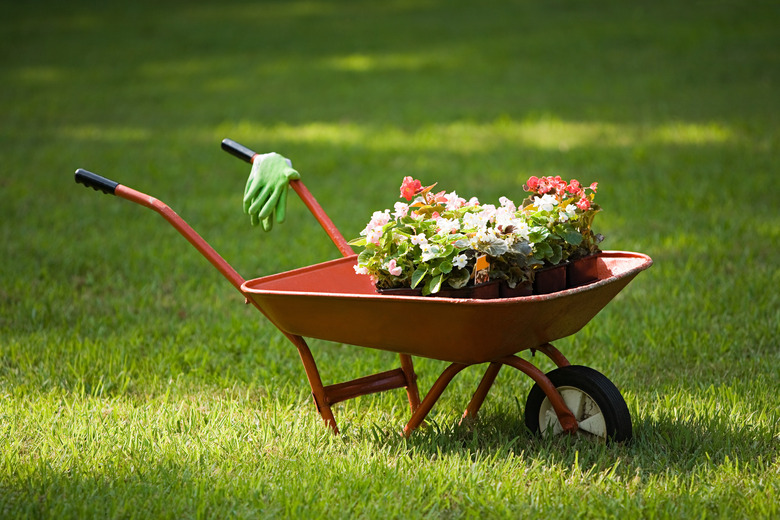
point(329, 301)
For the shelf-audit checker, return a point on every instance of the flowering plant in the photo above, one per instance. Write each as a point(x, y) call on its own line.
point(563, 216)
point(432, 240)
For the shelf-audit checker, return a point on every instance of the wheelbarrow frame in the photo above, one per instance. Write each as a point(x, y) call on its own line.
point(325, 396)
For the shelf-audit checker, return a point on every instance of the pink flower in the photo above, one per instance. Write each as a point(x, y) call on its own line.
point(594, 186)
point(583, 204)
point(374, 235)
point(393, 268)
point(401, 210)
point(378, 219)
point(532, 184)
point(409, 187)
point(453, 201)
point(440, 197)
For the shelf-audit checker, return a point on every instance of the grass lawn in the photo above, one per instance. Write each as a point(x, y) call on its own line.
point(135, 383)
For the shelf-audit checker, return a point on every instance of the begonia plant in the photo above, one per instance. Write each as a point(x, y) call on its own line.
point(566, 211)
point(432, 240)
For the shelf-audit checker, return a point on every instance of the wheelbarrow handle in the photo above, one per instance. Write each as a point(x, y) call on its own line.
point(96, 182)
point(238, 150)
point(93, 180)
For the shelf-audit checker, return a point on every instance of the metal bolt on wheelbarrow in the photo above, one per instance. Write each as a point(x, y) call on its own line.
point(329, 301)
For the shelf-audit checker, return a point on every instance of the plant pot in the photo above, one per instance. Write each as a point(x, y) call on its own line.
point(400, 291)
point(483, 291)
point(525, 289)
point(550, 279)
point(582, 271)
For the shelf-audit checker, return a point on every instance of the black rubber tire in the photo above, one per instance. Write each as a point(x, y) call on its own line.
point(606, 396)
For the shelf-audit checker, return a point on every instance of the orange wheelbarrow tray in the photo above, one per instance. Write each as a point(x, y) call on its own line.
point(329, 301)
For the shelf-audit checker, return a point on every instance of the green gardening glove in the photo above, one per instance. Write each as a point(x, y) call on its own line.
point(265, 195)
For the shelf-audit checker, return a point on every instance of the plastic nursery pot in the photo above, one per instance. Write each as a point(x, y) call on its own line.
point(524, 289)
point(400, 291)
point(550, 279)
point(582, 271)
point(483, 291)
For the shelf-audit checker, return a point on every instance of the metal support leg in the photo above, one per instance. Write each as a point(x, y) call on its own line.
point(315, 382)
point(553, 353)
point(433, 395)
point(411, 381)
point(482, 390)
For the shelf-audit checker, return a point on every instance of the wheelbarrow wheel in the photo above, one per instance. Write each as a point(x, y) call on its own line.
point(594, 400)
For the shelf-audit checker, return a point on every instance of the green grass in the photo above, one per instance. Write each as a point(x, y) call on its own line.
point(135, 383)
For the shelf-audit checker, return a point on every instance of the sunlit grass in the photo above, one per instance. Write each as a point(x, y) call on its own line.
point(544, 133)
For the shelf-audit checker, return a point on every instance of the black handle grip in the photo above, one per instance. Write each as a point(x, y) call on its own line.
point(238, 150)
point(95, 181)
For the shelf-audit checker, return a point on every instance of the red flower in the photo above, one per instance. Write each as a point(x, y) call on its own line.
point(574, 187)
point(409, 187)
point(583, 204)
point(532, 183)
point(594, 186)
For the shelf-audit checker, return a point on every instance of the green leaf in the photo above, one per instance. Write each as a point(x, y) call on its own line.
point(557, 254)
point(418, 275)
point(571, 236)
point(433, 285)
point(445, 267)
point(459, 278)
point(542, 250)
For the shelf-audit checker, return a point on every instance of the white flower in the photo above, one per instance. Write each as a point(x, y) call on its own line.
point(460, 261)
point(508, 204)
point(419, 240)
point(360, 269)
point(546, 202)
point(475, 220)
point(485, 235)
point(488, 211)
point(447, 226)
point(520, 228)
point(429, 252)
point(505, 217)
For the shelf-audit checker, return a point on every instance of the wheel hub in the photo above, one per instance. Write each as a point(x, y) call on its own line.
point(589, 418)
